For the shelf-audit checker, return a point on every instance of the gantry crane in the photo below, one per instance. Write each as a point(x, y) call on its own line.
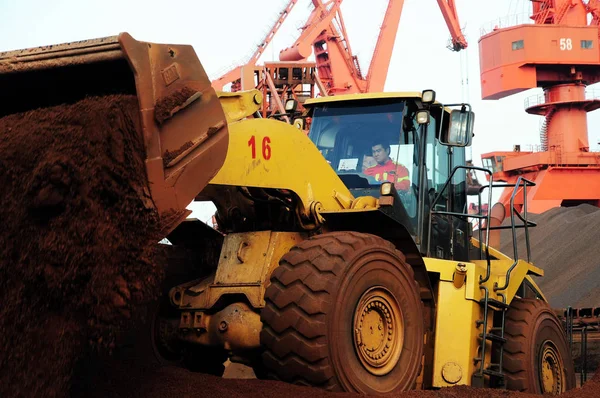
point(242, 77)
point(336, 69)
point(558, 52)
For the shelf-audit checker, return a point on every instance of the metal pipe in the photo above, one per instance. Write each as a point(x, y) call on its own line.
point(514, 237)
point(484, 332)
point(502, 331)
point(583, 355)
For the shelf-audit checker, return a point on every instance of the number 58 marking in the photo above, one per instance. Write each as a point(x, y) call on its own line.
point(266, 147)
point(566, 44)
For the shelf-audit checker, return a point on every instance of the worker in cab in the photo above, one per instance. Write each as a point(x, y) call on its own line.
point(386, 169)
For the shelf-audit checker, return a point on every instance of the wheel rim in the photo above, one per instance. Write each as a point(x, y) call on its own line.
point(552, 370)
point(378, 331)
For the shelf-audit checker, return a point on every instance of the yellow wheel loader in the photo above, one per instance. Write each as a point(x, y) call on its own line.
point(344, 256)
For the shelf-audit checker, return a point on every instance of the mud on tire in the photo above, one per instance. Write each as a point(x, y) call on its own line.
point(537, 358)
point(343, 312)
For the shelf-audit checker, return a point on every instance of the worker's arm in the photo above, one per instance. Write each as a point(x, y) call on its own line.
point(402, 182)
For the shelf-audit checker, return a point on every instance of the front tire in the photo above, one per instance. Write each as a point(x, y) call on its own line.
point(343, 312)
point(537, 358)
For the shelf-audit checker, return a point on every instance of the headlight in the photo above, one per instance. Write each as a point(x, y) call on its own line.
point(385, 189)
point(290, 105)
point(423, 117)
point(428, 96)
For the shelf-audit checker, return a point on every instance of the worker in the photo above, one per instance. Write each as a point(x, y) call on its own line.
point(386, 169)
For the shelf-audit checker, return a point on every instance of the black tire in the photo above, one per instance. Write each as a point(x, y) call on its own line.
point(536, 341)
point(164, 321)
point(182, 264)
point(310, 332)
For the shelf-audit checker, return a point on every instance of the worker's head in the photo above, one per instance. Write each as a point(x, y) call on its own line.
point(381, 152)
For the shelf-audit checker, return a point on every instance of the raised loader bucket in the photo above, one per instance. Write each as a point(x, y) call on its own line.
point(182, 124)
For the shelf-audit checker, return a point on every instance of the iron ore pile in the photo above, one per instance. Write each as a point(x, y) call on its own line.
point(72, 272)
point(565, 245)
point(79, 262)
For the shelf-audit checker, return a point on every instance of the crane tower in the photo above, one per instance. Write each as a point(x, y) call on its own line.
point(559, 52)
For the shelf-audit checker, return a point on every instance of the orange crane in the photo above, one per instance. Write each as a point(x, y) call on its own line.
point(559, 52)
point(242, 77)
point(336, 69)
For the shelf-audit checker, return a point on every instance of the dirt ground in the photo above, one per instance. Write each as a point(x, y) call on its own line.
point(122, 378)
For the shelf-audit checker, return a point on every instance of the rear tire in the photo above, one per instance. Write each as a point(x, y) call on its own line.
point(537, 358)
point(343, 312)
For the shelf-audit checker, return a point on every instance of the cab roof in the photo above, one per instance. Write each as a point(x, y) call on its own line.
point(361, 96)
point(365, 96)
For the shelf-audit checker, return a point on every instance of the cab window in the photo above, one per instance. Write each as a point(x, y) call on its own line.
point(365, 140)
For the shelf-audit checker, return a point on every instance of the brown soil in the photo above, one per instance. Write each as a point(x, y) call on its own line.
point(75, 259)
point(126, 377)
point(166, 106)
point(565, 245)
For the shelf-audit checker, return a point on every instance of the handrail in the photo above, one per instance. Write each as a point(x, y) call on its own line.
point(437, 199)
point(514, 237)
point(521, 183)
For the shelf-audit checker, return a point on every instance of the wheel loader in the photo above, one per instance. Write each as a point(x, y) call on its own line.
point(344, 256)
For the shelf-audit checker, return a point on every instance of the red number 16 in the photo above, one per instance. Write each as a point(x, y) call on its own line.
point(266, 148)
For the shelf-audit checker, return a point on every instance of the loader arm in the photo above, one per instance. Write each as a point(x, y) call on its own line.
point(181, 123)
point(265, 153)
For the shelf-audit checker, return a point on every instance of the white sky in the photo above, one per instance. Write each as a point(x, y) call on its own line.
point(226, 31)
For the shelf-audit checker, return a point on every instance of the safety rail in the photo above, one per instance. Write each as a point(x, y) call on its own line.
point(526, 224)
point(460, 215)
point(540, 99)
point(505, 22)
point(521, 183)
point(586, 321)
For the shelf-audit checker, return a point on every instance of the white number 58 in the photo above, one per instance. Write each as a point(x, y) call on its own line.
point(566, 44)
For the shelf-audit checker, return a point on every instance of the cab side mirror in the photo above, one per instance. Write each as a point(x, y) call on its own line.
point(460, 130)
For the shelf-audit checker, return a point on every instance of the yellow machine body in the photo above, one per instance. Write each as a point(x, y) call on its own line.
point(458, 309)
point(274, 155)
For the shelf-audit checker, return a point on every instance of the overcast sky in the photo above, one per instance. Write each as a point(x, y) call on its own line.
point(226, 31)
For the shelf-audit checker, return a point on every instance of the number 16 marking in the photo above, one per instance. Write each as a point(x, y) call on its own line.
point(266, 148)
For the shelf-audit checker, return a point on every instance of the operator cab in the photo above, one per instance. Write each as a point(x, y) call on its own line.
point(370, 139)
point(368, 142)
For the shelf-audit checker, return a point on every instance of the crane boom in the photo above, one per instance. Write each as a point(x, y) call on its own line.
point(382, 54)
point(238, 72)
point(448, 9)
point(593, 7)
point(338, 68)
point(318, 21)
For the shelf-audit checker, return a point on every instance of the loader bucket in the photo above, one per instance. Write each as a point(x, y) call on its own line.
point(182, 124)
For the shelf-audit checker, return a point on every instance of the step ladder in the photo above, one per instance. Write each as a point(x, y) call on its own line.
point(495, 334)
